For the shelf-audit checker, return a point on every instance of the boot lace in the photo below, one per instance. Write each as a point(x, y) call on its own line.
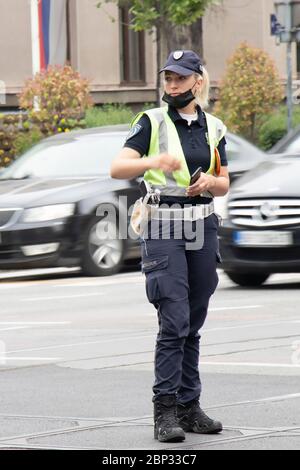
point(168, 415)
point(197, 414)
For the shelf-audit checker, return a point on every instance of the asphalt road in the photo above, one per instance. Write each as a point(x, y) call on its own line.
point(76, 363)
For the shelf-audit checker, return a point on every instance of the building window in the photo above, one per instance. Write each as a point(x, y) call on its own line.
point(132, 48)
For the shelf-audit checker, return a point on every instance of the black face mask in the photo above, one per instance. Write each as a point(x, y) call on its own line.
point(179, 101)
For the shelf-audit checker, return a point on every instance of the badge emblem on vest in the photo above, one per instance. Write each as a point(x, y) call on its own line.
point(134, 131)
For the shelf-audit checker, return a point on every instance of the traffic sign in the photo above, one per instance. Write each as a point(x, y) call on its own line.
point(275, 26)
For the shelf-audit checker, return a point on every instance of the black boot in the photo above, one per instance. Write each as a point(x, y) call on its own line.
point(166, 427)
point(192, 418)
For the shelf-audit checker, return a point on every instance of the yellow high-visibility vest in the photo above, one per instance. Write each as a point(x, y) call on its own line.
point(165, 138)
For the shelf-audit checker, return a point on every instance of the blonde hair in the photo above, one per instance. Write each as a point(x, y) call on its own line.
point(202, 95)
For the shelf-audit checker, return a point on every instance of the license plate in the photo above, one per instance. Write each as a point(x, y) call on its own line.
point(265, 238)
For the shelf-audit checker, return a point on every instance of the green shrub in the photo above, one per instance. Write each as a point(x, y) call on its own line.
point(274, 127)
point(110, 114)
point(24, 141)
point(107, 115)
point(148, 106)
point(10, 126)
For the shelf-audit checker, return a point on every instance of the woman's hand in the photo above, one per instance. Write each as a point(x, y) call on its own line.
point(204, 183)
point(165, 162)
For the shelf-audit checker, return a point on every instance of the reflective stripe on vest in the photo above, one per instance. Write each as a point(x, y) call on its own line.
point(165, 139)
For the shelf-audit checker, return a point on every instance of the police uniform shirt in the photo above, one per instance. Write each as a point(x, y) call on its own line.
point(194, 143)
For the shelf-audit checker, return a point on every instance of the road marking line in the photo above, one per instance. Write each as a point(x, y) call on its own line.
point(15, 328)
point(260, 400)
point(28, 325)
point(108, 282)
point(250, 364)
point(250, 325)
point(5, 358)
point(138, 337)
point(217, 309)
point(35, 322)
point(34, 299)
point(84, 343)
point(37, 272)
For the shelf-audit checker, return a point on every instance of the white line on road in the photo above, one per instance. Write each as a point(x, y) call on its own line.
point(251, 325)
point(220, 309)
point(116, 278)
point(217, 309)
point(37, 272)
point(28, 325)
point(113, 340)
point(34, 299)
point(127, 338)
point(35, 322)
point(92, 282)
point(108, 282)
point(290, 396)
point(5, 358)
point(250, 364)
point(15, 328)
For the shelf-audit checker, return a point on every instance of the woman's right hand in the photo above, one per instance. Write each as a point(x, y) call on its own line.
point(165, 162)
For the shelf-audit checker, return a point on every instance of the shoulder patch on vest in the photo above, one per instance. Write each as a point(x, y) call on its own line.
point(136, 129)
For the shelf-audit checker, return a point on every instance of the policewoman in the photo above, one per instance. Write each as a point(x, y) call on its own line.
point(167, 145)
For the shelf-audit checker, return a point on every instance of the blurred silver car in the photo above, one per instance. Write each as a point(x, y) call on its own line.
point(242, 156)
point(261, 233)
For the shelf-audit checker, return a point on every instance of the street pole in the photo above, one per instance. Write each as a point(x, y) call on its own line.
point(289, 90)
point(35, 40)
point(35, 44)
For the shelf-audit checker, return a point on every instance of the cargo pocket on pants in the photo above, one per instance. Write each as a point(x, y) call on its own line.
point(153, 268)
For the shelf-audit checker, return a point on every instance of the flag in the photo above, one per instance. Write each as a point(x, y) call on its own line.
point(52, 32)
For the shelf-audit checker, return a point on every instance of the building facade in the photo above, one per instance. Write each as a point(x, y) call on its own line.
point(121, 64)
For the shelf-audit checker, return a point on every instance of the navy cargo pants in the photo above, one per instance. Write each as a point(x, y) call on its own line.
point(179, 283)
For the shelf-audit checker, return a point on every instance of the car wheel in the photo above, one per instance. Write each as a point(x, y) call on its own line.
point(246, 279)
point(103, 252)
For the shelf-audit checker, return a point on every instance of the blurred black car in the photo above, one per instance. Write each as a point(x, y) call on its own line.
point(261, 234)
point(50, 195)
point(48, 203)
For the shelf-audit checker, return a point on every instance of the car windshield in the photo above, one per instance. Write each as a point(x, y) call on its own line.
point(240, 149)
point(85, 155)
point(293, 146)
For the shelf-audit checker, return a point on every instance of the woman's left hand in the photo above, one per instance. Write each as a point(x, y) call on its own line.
point(204, 183)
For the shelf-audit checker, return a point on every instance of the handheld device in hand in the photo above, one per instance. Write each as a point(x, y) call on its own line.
point(196, 175)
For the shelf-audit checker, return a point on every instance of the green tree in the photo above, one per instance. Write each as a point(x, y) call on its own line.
point(178, 23)
point(249, 92)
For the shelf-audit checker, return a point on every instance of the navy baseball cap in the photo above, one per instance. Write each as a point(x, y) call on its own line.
point(183, 63)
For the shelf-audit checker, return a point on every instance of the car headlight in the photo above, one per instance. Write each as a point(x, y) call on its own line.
point(46, 213)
